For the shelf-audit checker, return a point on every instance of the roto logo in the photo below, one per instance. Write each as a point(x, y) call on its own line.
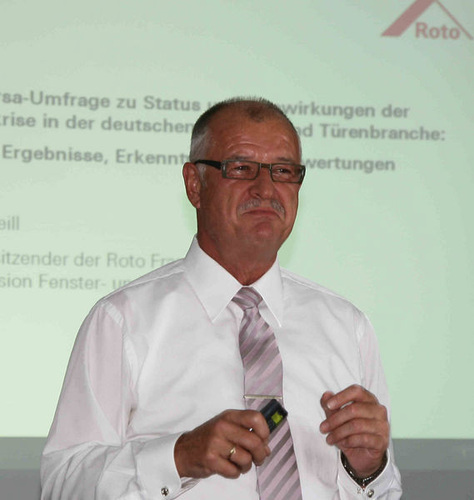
point(422, 29)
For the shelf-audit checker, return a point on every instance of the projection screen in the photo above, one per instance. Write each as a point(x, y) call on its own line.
point(97, 101)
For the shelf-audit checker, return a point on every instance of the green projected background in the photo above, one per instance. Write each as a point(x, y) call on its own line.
point(96, 104)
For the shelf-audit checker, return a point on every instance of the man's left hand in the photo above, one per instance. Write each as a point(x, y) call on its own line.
point(358, 425)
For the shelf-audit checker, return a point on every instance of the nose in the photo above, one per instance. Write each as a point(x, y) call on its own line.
point(263, 186)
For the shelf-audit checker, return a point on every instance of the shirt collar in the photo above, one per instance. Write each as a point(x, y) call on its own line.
point(215, 287)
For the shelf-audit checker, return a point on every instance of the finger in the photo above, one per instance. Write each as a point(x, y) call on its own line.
point(324, 400)
point(350, 394)
point(242, 459)
point(241, 435)
point(353, 411)
point(244, 427)
point(372, 443)
point(250, 419)
point(230, 463)
point(227, 468)
point(215, 460)
point(252, 444)
point(358, 427)
point(254, 441)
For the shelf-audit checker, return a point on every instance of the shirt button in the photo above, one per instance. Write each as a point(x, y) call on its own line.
point(370, 493)
point(165, 491)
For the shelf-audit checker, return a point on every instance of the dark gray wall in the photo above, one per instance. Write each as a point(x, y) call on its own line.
point(437, 469)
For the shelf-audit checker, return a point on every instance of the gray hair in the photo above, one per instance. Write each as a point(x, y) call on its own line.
point(256, 108)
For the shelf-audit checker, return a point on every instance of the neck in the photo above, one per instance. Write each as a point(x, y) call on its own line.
point(246, 275)
point(245, 266)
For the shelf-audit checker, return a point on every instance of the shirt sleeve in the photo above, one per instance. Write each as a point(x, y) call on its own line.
point(87, 454)
point(387, 486)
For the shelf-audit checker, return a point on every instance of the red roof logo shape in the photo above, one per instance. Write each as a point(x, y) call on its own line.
point(413, 12)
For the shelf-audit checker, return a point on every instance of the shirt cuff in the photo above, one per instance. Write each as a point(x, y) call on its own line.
point(378, 488)
point(157, 469)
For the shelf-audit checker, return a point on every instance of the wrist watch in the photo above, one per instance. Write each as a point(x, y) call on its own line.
point(363, 481)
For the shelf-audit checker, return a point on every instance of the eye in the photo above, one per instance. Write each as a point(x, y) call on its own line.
point(283, 170)
point(240, 168)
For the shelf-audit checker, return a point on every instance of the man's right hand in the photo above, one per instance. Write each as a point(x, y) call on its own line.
point(209, 449)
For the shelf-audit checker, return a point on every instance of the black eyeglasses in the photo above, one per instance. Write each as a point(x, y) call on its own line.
point(247, 170)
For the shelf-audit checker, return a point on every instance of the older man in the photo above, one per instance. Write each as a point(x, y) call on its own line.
point(168, 374)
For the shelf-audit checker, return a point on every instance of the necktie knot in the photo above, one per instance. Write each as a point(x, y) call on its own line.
point(247, 298)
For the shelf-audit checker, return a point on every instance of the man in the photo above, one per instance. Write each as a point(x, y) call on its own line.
point(155, 401)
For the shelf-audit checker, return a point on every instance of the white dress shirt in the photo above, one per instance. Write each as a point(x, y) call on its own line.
point(161, 356)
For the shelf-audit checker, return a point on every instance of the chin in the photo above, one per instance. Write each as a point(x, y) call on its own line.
point(263, 240)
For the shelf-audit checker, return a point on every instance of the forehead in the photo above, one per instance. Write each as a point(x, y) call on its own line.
point(233, 133)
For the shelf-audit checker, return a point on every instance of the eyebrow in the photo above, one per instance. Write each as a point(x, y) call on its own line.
point(280, 159)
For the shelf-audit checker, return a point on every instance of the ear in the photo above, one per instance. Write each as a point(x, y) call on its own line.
point(193, 184)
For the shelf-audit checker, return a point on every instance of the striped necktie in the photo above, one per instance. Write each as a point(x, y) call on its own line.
point(278, 477)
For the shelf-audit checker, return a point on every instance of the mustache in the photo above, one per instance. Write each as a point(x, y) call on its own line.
point(256, 203)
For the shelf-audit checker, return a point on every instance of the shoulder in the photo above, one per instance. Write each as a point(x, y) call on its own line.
point(316, 300)
point(309, 290)
point(144, 290)
point(169, 272)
